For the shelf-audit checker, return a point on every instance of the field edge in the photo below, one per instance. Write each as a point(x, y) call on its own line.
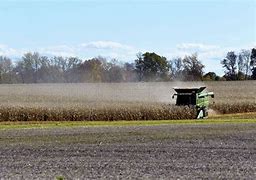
point(216, 119)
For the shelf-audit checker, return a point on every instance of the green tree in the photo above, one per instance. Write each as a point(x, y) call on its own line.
point(151, 67)
point(211, 76)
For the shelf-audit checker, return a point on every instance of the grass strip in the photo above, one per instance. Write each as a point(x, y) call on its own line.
point(64, 124)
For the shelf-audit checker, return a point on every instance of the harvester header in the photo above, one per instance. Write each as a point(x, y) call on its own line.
point(189, 90)
point(194, 97)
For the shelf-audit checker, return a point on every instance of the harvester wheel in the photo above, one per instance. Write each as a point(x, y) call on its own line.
point(200, 113)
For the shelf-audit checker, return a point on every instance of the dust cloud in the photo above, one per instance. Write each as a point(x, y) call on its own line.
point(212, 112)
point(95, 94)
point(91, 93)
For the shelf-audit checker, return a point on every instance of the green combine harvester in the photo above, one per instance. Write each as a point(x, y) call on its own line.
point(194, 98)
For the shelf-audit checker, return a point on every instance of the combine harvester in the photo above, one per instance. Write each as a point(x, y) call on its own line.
point(194, 98)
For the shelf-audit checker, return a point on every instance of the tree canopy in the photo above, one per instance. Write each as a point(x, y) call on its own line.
point(149, 66)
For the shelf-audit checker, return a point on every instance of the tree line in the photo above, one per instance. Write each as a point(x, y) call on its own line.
point(149, 66)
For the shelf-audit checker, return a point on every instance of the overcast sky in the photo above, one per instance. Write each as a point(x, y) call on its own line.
point(120, 29)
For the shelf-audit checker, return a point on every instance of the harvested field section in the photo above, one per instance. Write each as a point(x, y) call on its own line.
point(223, 151)
point(233, 92)
point(71, 94)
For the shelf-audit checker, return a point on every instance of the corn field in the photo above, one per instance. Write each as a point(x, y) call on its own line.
point(116, 101)
point(95, 114)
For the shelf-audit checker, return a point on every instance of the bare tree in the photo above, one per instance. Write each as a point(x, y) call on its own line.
point(5, 70)
point(176, 68)
point(244, 62)
point(230, 65)
point(193, 68)
point(28, 67)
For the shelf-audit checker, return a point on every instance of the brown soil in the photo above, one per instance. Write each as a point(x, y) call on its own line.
point(223, 151)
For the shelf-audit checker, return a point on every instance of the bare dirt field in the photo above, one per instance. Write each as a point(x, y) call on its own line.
point(188, 151)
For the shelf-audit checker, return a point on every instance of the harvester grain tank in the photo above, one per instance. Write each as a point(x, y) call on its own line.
point(194, 97)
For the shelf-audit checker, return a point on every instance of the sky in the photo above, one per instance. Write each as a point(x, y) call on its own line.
point(122, 28)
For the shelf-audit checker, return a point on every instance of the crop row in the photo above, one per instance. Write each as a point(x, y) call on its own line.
point(94, 114)
point(112, 113)
point(230, 108)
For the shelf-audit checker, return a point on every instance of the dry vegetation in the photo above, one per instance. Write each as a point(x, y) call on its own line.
point(140, 112)
point(120, 101)
point(234, 96)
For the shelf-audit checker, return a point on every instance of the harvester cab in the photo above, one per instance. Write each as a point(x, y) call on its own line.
point(194, 98)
